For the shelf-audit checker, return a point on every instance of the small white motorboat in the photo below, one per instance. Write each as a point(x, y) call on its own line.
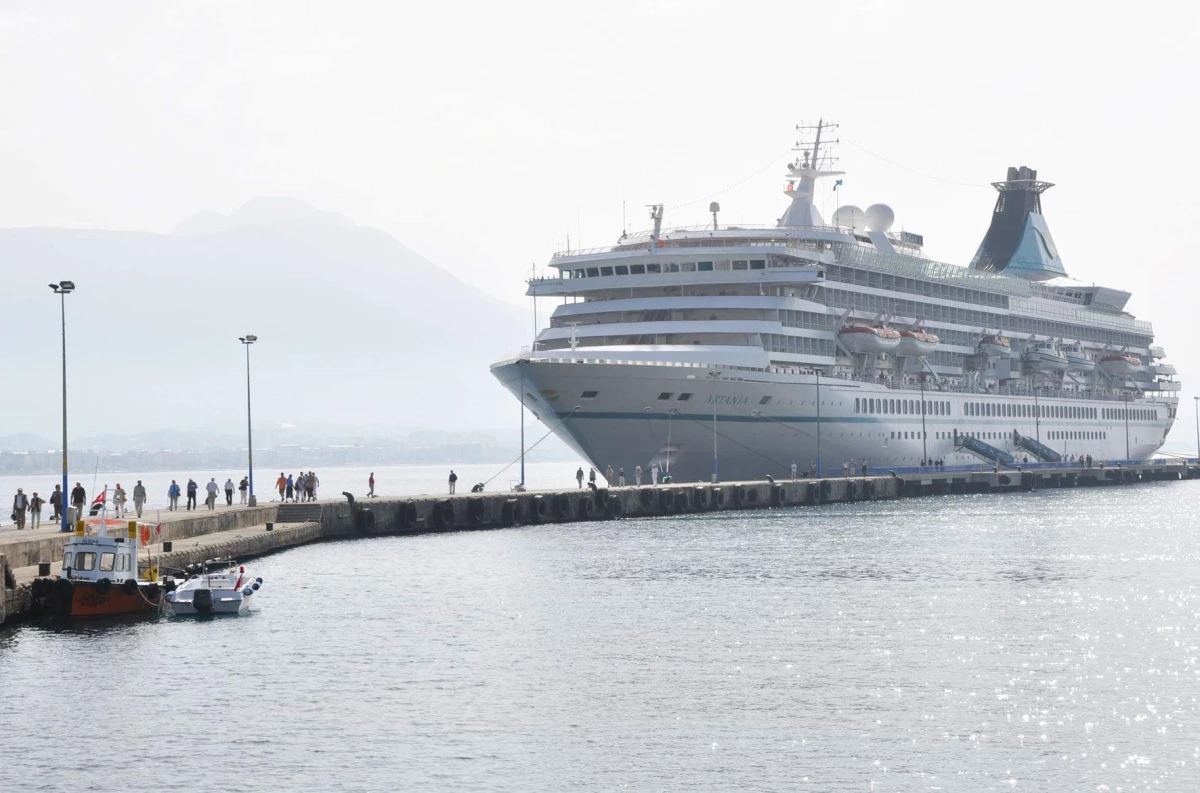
point(994, 345)
point(213, 588)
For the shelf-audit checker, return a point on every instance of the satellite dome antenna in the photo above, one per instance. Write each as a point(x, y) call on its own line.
point(714, 208)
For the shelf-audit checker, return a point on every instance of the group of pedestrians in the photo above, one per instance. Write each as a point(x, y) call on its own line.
point(617, 478)
point(301, 487)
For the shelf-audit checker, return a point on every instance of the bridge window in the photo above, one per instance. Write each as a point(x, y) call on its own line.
point(622, 269)
point(758, 264)
point(67, 559)
point(85, 560)
point(606, 271)
point(739, 264)
point(589, 394)
point(765, 400)
point(107, 560)
point(684, 397)
point(637, 269)
point(704, 267)
point(593, 272)
point(654, 268)
point(665, 395)
point(856, 410)
point(579, 273)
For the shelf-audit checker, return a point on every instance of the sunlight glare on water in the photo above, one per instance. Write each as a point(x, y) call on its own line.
point(1044, 641)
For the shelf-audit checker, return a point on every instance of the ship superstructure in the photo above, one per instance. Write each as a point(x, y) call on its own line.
point(735, 351)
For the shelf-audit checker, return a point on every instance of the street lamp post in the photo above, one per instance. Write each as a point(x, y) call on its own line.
point(819, 472)
point(246, 341)
point(62, 289)
point(1126, 425)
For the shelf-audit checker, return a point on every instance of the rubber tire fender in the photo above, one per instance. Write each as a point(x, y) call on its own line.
point(103, 586)
point(513, 512)
point(443, 514)
point(562, 507)
point(614, 508)
point(130, 586)
point(476, 510)
point(666, 501)
point(587, 508)
point(646, 497)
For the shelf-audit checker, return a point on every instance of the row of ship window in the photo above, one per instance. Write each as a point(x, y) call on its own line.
point(1077, 435)
point(667, 267)
point(900, 407)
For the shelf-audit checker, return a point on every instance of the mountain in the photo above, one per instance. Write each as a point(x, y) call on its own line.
point(353, 328)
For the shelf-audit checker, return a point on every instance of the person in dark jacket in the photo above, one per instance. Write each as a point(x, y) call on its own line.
point(56, 503)
point(192, 487)
point(78, 499)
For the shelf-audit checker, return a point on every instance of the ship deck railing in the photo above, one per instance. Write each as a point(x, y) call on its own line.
point(974, 468)
point(892, 383)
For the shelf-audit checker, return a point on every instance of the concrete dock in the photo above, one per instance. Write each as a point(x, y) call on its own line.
point(246, 532)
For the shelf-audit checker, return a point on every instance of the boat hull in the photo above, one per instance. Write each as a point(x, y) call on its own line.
point(626, 424)
point(63, 598)
point(995, 350)
point(867, 340)
point(1048, 362)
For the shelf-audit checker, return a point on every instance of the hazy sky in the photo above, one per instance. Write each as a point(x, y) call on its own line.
point(483, 134)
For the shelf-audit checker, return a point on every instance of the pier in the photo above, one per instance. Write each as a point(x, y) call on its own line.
point(247, 532)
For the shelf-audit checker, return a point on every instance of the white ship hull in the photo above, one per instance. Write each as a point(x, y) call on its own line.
point(626, 424)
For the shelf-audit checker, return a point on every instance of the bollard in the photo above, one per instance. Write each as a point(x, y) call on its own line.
point(270, 527)
point(43, 568)
point(167, 546)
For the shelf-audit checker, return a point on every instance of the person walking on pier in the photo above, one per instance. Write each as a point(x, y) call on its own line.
point(229, 492)
point(654, 473)
point(637, 475)
point(845, 468)
point(212, 487)
point(313, 483)
point(289, 487)
point(139, 497)
point(20, 504)
point(281, 483)
point(812, 470)
point(453, 480)
point(608, 476)
point(119, 500)
point(173, 495)
point(192, 487)
point(794, 469)
point(56, 504)
point(78, 499)
point(592, 477)
point(579, 477)
point(35, 511)
point(243, 488)
point(371, 485)
point(621, 477)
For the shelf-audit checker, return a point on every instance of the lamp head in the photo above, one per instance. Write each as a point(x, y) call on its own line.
point(247, 339)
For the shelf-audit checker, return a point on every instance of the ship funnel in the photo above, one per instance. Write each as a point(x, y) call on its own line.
point(1018, 241)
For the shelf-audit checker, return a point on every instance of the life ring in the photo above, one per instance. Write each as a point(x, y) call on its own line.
point(103, 586)
point(145, 535)
point(130, 586)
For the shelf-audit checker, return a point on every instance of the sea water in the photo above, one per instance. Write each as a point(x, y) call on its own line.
point(1039, 641)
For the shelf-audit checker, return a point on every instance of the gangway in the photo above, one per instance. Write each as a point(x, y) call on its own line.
point(1036, 448)
point(982, 450)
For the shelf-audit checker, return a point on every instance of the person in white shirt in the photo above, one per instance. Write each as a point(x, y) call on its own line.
point(654, 473)
point(794, 470)
point(637, 476)
point(229, 492)
point(212, 488)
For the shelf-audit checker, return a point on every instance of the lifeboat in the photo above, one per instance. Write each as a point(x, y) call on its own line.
point(1120, 365)
point(1048, 356)
point(994, 345)
point(1078, 360)
point(916, 343)
point(865, 339)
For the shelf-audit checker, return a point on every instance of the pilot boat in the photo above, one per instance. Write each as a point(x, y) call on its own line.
point(213, 588)
point(100, 573)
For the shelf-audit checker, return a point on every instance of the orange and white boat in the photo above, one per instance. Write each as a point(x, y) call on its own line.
point(100, 573)
point(869, 339)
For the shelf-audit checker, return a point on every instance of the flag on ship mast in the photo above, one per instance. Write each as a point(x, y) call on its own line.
point(837, 184)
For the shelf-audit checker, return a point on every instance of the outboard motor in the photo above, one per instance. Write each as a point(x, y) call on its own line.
point(202, 601)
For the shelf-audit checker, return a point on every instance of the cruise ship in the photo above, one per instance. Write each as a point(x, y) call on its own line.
point(734, 352)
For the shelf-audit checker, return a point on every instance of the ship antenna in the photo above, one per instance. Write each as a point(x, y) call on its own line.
point(817, 141)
